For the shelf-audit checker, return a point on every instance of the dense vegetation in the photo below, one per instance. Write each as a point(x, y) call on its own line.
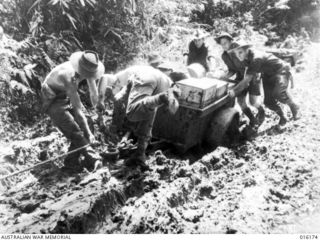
point(280, 16)
point(42, 33)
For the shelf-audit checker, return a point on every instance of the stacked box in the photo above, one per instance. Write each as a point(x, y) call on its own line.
point(222, 88)
point(199, 93)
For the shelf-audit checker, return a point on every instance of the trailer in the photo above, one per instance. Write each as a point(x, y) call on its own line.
point(195, 123)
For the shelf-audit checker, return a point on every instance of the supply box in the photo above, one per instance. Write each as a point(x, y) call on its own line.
point(199, 93)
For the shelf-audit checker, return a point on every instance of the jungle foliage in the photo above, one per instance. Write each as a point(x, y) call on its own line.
point(280, 16)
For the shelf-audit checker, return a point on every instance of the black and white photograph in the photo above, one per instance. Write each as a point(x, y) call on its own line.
point(159, 117)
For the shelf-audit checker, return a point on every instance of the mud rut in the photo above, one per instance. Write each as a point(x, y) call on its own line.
point(268, 185)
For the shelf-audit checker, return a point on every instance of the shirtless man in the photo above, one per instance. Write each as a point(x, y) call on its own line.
point(59, 87)
point(142, 89)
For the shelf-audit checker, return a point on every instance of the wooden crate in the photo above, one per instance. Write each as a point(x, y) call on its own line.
point(222, 88)
point(199, 93)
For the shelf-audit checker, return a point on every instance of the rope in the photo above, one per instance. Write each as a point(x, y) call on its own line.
point(44, 162)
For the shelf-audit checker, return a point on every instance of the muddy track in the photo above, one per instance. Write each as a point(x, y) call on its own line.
point(267, 185)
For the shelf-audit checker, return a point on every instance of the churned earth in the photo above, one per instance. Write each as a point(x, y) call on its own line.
point(270, 184)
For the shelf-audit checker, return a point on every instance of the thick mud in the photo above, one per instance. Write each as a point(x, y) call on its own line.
point(270, 184)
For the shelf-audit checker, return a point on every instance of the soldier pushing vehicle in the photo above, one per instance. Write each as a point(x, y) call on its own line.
point(143, 90)
point(237, 67)
point(275, 78)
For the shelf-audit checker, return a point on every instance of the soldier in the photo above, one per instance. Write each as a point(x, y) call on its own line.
point(199, 52)
point(60, 85)
point(275, 78)
point(236, 67)
point(143, 90)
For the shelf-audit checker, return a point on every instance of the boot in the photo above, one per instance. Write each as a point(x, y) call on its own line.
point(261, 115)
point(283, 120)
point(295, 110)
point(139, 156)
point(248, 113)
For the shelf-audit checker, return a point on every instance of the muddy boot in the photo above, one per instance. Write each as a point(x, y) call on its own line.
point(138, 158)
point(283, 120)
point(261, 115)
point(295, 110)
point(249, 114)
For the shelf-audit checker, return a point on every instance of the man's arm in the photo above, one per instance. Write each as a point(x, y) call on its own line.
point(231, 72)
point(93, 92)
point(185, 58)
point(227, 75)
point(244, 83)
point(71, 89)
point(211, 58)
point(123, 92)
point(106, 85)
point(102, 88)
point(186, 53)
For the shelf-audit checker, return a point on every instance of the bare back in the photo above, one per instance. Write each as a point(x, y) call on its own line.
point(59, 76)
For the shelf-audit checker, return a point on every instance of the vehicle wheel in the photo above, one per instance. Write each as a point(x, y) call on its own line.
point(224, 128)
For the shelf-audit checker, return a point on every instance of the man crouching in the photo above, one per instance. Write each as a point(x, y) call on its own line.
point(143, 90)
point(59, 87)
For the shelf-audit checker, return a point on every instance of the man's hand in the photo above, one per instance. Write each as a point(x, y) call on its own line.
point(231, 93)
point(176, 91)
point(92, 139)
point(118, 96)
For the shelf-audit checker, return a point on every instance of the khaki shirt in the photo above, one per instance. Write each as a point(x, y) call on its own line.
point(146, 76)
point(265, 63)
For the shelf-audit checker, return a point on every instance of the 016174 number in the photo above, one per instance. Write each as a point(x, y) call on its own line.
point(308, 236)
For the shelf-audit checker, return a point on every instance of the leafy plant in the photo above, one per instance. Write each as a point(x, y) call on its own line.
point(283, 15)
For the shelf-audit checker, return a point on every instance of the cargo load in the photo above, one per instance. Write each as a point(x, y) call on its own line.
point(199, 93)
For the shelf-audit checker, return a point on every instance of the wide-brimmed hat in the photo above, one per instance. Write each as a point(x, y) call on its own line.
point(199, 34)
point(87, 64)
point(223, 35)
point(155, 60)
point(166, 65)
point(240, 44)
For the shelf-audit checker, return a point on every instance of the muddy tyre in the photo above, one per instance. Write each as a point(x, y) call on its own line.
point(223, 128)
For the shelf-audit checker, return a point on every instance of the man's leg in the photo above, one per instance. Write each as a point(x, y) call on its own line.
point(282, 94)
point(63, 119)
point(241, 99)
point(144, 134)
point(119, 114)
point(272, 103)
point(141, 108)
point(255, 98)
point(143, 111)
point(256, 101)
